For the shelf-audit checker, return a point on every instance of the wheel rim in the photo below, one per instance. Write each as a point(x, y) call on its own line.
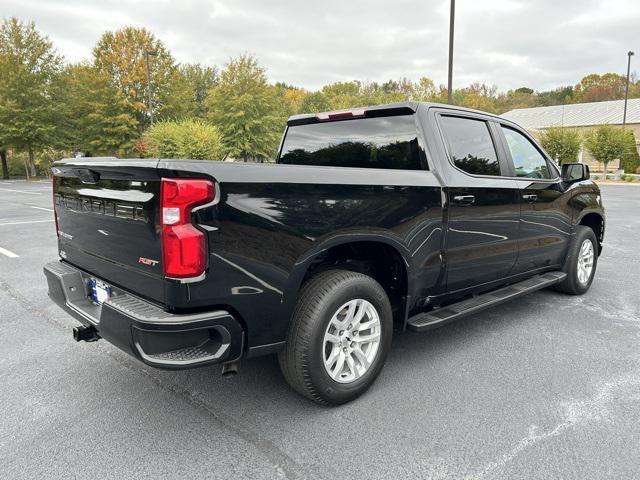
point(351, 341)
point(585, 261)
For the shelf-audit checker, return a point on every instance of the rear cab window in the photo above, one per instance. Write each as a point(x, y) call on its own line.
point(388, 142)
point(470, 145)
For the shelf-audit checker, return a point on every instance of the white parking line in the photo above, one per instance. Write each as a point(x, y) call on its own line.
point(24, 223)
point(42, 208)
point(8, 253)
point(19, 191)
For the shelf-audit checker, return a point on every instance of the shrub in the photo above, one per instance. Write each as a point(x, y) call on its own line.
point(630, 160)
point(189, 139)
point(606, 143)
point(561, 143)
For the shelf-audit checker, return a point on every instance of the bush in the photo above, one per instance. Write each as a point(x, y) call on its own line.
point(189, 139)
point(44, 159)
point(630, 160)
point(606, 143)
point(561, 143)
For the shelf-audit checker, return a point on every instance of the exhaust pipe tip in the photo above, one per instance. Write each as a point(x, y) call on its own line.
point(230, 369)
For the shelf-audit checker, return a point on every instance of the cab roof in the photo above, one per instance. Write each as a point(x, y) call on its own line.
point(400, 108)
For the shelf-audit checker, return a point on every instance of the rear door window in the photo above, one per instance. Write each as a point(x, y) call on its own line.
point(378, 142)
point(527, 159)
point(470, 145)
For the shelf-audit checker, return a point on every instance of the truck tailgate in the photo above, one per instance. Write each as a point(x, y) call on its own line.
point(107, 215)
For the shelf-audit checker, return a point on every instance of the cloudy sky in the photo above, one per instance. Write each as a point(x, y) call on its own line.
point(509, 43)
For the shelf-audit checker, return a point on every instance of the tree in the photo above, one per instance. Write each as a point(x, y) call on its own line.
point(200, 79)
point(29, 66)
point(606, 143)
point(559, 96)
point(98, 118)
point(3, 158)
point(244, 108)
point(176, 100)
point(478, 96)
point(630, 160)
point(314, 102)
point(121, 56)
point(598, 88)
point(192, 139)
point(561, 143)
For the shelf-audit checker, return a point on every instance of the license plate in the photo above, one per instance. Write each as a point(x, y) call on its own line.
point(100, 291)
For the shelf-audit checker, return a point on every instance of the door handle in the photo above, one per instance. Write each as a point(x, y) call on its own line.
point(530, 197)
point(464, 199)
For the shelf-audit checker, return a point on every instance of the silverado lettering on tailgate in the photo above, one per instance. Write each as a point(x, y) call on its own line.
point(99, 206)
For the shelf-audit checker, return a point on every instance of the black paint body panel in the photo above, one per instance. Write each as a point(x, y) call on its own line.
point(272, 221)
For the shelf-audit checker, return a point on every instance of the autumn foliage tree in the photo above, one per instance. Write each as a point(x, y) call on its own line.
point(99, 120)
point(244, 107)
point(29, 65)
point(121, 56)
point(598, 88)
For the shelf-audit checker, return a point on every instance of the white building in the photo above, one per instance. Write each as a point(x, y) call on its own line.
point(580, 116)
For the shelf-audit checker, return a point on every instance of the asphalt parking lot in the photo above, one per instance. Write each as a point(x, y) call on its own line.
point(547, 387)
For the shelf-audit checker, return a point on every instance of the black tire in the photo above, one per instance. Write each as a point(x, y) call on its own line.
point(572, 284)
point(302, 361)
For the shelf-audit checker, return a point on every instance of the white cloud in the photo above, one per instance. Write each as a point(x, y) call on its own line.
point(509, 43)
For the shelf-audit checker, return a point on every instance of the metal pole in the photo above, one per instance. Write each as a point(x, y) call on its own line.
point(452, 16)
point(626, 90)
point(149, 102)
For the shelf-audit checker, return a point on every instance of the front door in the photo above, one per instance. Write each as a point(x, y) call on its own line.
point(483, 205)
point(545, 219)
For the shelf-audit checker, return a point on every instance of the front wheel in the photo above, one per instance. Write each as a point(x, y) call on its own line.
point(581, 262)
point(339, 337)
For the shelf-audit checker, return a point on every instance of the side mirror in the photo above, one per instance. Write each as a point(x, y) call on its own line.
point(575, 172)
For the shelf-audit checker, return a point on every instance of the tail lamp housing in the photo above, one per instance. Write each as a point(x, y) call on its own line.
point(184, 247)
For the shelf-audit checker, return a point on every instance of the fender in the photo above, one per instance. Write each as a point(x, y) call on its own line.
point(335, 239)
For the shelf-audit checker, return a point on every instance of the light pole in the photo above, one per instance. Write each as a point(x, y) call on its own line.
point(452, 16)
point(626, 89)
point(149, 95)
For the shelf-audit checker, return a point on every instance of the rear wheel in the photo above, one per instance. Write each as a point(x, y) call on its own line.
point(339, 337)
point(581, 262)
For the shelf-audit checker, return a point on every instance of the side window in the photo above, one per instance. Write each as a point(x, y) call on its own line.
point(527, 159)
point(470, 145)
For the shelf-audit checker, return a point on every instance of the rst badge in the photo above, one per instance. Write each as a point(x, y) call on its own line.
point(147, 261)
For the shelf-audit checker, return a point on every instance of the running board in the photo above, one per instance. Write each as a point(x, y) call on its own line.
point(440, 316)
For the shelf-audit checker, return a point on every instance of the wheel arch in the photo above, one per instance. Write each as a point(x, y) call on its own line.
point(595, 221)
point(381, 256)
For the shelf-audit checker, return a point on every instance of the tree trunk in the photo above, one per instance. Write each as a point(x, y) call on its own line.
point(604, 164)
point(5, 167)
point(26, 169)
point(32, 163)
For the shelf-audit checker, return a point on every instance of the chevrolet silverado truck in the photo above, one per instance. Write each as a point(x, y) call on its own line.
point(371, 221)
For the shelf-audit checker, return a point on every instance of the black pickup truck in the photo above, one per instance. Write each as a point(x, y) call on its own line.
point(372, 221)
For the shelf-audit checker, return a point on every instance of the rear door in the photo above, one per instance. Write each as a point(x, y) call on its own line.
point(545, 219)
point(107, 214)
point(483, 204)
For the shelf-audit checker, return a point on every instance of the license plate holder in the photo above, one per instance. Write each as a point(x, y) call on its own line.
point(100, 291)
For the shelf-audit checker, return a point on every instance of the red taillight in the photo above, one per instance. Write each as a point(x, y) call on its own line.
point(54, 188)
point(184, 248)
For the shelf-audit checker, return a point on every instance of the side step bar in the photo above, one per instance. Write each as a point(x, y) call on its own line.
point(435, 318)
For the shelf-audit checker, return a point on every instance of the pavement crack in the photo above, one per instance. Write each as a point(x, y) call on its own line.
point(594, 408)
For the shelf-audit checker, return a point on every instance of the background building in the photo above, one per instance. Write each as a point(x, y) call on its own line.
point(581, 117)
